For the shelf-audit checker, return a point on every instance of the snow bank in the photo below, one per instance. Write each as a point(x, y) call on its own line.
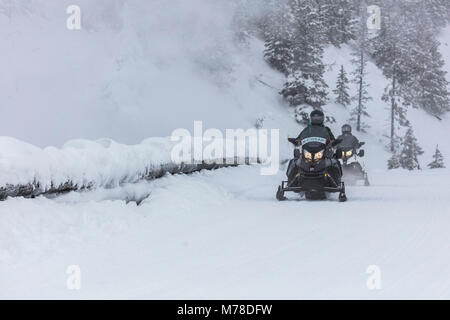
point(104, 162)
point(29, 170)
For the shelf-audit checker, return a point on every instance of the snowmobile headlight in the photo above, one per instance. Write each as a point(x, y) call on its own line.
point(348, 154)
point(318, 156)
point(308, 155)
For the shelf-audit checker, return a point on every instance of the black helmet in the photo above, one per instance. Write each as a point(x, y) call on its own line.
point(346, 128)
point(317, 117)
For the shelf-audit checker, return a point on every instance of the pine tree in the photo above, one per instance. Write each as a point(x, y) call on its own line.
point(309, 89)
point(434, 96)
point(410, 152)
point(424, 84)
point(305, 83)
point(339, 23)
point(360, 74)
point(341, 91)
point(296, 31)
point(438, 12)
point(278, 53)
point(438, 160)
point(278, 38)
point(428, 87)
point(394, 162)
point(411, 59)
point(389, 48)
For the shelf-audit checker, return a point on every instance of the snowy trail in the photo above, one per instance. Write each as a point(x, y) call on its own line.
point(221, 234)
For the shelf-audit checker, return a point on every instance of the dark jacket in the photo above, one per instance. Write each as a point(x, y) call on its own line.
point(316, 131)
point(348, 141)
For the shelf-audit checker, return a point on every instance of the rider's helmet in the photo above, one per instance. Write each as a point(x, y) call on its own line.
point(346, 128)
point(317, 117)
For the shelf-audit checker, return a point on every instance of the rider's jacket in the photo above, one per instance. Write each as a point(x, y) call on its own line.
point(315, 132)
point(348, 141)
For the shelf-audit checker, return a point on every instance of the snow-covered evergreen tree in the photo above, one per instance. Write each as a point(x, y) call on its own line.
point(411, 150)
point(410, 59)
point(279, 38)
point(302, 88)
point(339, 22)
point(341, 91)
point(427, 87)
point(434, 96)
point(438, 12)
point(360, 57)
point(390, 48)
point(296, 31)
point(278, 53)
point(305, 83)
point(438, 160)
point(393, 162)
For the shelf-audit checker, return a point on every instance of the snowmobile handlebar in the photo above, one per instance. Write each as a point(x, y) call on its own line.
point(294, 141)
point(336, 142)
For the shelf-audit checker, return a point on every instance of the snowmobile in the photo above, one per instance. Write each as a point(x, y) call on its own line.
point(314, 173)
point(353, 171)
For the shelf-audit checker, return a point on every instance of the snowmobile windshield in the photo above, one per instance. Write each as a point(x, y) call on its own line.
point(345, 147)
point(314, 141)
point(313, 147)
point(348, 141)
point(314, 144)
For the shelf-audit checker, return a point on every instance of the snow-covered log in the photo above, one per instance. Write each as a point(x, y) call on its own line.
point(29, 171)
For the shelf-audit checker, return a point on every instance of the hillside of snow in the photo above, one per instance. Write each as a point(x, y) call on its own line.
point(143, 70)
point(135, 70)
point(429, 130)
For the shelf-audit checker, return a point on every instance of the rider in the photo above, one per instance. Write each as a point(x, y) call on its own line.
point(348, 139)
point(316, 128)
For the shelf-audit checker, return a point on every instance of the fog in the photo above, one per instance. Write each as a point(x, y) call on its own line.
point(135, 69)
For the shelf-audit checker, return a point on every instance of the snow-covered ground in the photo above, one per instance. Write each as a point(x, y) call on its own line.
point(222, 234)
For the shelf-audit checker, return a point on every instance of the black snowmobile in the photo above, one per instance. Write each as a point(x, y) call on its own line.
point(353, 171)
point(314, 171)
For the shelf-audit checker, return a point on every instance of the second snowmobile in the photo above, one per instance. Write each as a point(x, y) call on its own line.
point(348, 149)
point(353, 171)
